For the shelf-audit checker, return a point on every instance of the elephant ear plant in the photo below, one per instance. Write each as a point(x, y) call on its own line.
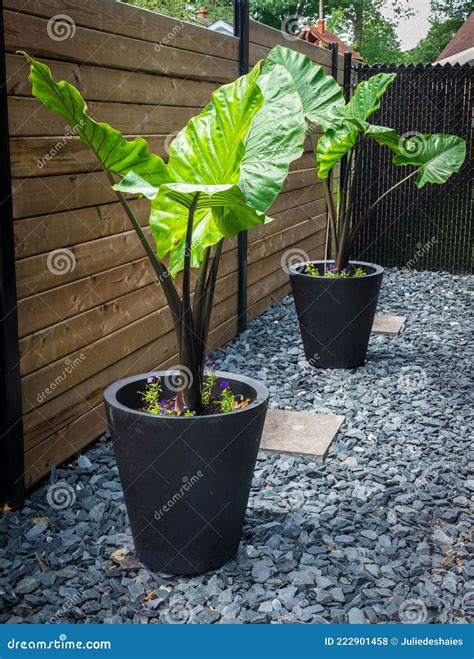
point(336, 300)
point(186, 450)
point(345, 128)
point(225, 169)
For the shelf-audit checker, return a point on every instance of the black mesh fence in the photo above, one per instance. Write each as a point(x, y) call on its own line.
point(427, 229)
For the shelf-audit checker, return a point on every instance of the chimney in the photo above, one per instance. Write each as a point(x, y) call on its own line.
point(202, 14)
point(320, 22)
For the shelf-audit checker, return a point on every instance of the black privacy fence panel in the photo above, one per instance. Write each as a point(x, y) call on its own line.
point(427, 229)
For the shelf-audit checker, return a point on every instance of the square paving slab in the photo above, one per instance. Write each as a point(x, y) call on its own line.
point(299, 433)
point(388, 325)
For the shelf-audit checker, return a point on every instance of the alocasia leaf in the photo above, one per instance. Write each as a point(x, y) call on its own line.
point(319, 92)
point(333, 145)
point(116, 154)
point(275, 139)
point(366, 98)
point(221, 212)
point(340, 138)
point(438, 156)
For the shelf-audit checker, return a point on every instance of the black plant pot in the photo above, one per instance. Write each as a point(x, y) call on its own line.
point(186, 480)
point(336, 314)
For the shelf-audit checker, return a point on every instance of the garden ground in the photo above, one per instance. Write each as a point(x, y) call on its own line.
point(379, 532)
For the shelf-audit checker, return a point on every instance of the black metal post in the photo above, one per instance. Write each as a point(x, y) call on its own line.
point(241, 30)
point(11, 424)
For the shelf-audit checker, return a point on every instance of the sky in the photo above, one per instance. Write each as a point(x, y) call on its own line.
point(411, 30)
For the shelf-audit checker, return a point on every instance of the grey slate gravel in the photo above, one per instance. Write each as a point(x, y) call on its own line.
point(323, 541)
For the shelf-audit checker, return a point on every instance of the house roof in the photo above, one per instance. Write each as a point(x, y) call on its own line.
point(321, 36)
point(463, 40)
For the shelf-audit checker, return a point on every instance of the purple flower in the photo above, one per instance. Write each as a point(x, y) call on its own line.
point(223, 384)
point(151, 379)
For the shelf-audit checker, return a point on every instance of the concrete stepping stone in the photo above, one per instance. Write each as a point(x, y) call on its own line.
point(387, 324)
point(299, 433)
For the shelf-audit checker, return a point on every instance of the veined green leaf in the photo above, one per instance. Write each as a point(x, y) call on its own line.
point(333, 145)
point(319, 92)
point(116, 154)
point(437, 155)
point(221, 211)
point(366, 98)
point(210, 148)
point(275, 139)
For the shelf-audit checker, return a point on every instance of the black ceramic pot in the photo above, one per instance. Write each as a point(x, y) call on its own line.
point(186, 480)
point(336, 314)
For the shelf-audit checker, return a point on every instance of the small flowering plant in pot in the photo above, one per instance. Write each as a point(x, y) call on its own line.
point(186, 439)
point(336, 300)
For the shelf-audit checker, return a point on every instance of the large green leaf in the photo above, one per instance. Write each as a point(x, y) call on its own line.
point(116, 154)
point(366, 98)
point(275, 139)
point(438, 156)
point(210, 148)
point(333, 145)
point(319, 92)
point(221, 211)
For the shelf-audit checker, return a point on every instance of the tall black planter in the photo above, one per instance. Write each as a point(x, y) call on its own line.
point(336, 314)
point(186, 480)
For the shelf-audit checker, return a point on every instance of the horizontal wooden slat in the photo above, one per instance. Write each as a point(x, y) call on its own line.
point(101, 49)
point(113, 85)
point(28, 117)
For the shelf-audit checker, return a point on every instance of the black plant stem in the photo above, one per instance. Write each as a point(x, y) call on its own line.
point(331, 212)
point(199, 297)
point(160, 269)
point(356, 228)
point(193, 377)
point(209, 298)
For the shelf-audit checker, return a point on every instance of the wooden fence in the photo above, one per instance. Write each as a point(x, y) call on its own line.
point(89, 311)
